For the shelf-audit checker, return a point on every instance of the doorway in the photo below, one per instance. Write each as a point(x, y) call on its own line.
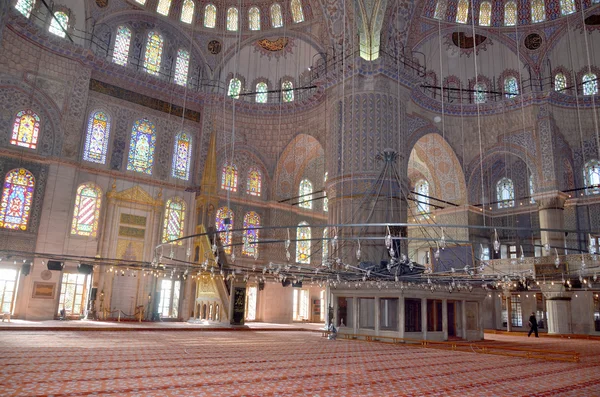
point(451, 319)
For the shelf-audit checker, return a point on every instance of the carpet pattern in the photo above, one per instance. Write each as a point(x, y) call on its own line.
point(278, 363)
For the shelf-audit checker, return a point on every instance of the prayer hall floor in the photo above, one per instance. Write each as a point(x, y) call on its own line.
point(168, 363)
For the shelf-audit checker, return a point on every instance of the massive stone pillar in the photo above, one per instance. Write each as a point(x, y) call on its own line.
point(558, 306)
point(551, 209)
point(367, 181)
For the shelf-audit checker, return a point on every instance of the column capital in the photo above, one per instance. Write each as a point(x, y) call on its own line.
point(551, 200)
point(555, 292)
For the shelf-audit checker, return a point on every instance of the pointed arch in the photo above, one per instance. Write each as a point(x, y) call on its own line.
point(97, 137)
point(86, 213)
point(276, 16)
point(153, 54)
point(174, 220)
point(590, 84)
point(560, 82)
point(187, 11)
point(287, 91)
point(305, 193)
point(440, 9)
point(251, 234)
point(17, 197)
point(59, 24)
point(229, 178)
point(462, 11)
point(232, 19)
point(261, 92)
point(163, 7)
point(254, 182)
point(297, 12)
point(235, 87)
point(303, 243)
point(224, 224)
point(510, 13)
point(122, 43)
point(485, 13)
point(505, 193)
point(210, 16)
point(254, 18)
point(422, 188)
point(538, 11)
point(181, 67)
point(182, 155)
point(511, 87)
point(26, 129)
point(141, 147)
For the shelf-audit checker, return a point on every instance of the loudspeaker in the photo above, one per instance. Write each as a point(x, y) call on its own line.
point(261, 285)
point(85, 269)
point(55, 265)
point(286, 283)
point(25, 269)
point(297, 284)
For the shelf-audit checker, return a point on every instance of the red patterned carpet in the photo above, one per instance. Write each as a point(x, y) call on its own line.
point(277, 363)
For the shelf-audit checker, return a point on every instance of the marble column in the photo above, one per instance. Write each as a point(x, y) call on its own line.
point(401, 313)
point(508, 312)
point(558, 306)
point(445, 318)
point(424, 317)
point(463, 318)
point(551, 209)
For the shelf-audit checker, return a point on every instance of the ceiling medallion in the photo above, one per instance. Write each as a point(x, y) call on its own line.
point(101, 3)
point(274, 45)
point(533, 41)
point(214, 47)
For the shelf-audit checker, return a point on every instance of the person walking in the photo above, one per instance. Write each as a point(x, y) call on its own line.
point(533, 327)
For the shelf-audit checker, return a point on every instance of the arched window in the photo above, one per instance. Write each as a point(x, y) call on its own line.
point(287, 91)
point(210, 16)
point(511, 87)
point(462, 11)
point(229, 178)
point(17, 197)
point(297, 13)
point(531, 189)
point(224, 224)
point(303, 243)
point(440, 9)
point(261, 92)
point(510, 13)
point(141, 147)
point(96, 139)
point(153, 56)
point(325, 249)
point(25, 7)
point(567, 7)
point(305, 193)
point(182, 155)
point(174, 221)
point(590, 84)
point(163, 7)
point(59, 24)
point(538, 11)
point(422, 188)
point(485, 13)
point(26, 129)
point(235, 86)
point(232, 19)
point(86, 213)
point(122, 43)
point(276, 17)
point(187, 11)
point(251, 223)
point(254, 182)
point(505, 193)
point(254, 18)
point(181, 67)
point(480, 93)
point(591, 177)
point(560, 82)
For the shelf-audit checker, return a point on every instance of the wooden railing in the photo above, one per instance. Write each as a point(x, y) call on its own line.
point(541, 354)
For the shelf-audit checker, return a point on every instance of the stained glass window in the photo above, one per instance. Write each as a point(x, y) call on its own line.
point(163, 7)
point(229, 178)
point(505, 193)
point(325, 249)
point(182, 155)
point(141, 147)
point(560, 82)
point(303, 247)
point(511, 87)
point(480, 94)
point(96, 139)
point(261, 92)
point(531, 189)
point(305, 193)
point(510, 13)
point(276, 17)
point(590, 84)
point(210, 16)
point(538, 11)
point(297, 12)
point(253, 185)
point(440, 9)
point(59, 24)
point(26, 129)
point(591, 177)
point(462, 11)
point(567, 7)
point(254, 18)
point(485, 13)
point(25, 7)
point(287, 90)
point(232, 19)
point(122, 42)
point(174, 221)
point(17, 196)
point(181, 67)
point(187, 11)
point(251, 222)
point(153, 56)
point(224, 224)
point(235, 86)
point(86, 213)
point(422, 188)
